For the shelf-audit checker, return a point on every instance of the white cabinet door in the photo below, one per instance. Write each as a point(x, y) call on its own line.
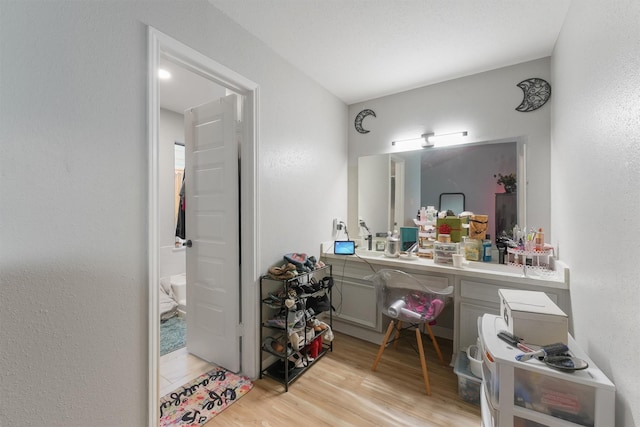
point(469, 314)
point(357, 304)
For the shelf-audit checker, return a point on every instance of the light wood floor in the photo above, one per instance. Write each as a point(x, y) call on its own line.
point(341, 390)
point(178, 368)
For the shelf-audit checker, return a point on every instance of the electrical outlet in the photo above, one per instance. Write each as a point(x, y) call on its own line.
point(336, 226)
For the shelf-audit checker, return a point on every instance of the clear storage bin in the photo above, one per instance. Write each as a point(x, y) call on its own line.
point(443, 252)
point(469, 385)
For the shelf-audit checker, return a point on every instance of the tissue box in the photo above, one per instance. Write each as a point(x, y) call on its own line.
point(408, 236)
point(472, 250)
point(533, 317)
point(450, 225)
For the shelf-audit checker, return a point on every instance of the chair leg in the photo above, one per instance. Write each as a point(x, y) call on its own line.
point(423, 362)
point(435, 343)
point(382, 346)
point(397, 336)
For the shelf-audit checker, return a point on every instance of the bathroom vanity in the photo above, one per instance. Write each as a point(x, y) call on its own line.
point(476, 287)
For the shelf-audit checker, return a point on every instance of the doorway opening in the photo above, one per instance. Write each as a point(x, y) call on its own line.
point(167, 51)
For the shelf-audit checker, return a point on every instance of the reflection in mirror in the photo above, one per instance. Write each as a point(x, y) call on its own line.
point(382, 199)
point(178, 194)
point(392, 193)
point(396, 190)
point(470, 169)
point(453, 202)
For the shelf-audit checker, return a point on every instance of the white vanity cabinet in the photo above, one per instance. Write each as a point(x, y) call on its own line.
point(354, 299)
point(475, 293)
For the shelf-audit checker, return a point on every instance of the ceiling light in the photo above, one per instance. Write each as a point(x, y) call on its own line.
point(163, 74)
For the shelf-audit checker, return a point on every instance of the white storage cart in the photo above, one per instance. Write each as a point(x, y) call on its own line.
point(532, 394)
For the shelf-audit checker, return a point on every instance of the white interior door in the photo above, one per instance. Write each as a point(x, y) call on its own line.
point(212, 226)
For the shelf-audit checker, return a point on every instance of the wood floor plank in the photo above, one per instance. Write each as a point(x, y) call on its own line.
point(341, 390)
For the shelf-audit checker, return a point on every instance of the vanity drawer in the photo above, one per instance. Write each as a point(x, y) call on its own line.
point(480, 291)
point(436, 283)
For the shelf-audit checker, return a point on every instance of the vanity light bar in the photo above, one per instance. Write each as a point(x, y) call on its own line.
point(443, 139)
point(431, 139)
point(420, 140)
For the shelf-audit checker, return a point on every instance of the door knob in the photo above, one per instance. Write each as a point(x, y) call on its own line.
point(188, 243)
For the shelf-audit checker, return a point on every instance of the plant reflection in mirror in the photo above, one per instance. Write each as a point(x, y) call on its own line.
point(508, 181)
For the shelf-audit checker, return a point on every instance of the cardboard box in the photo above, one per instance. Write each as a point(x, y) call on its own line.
point(464, 223)
point(534, 317)
point(450, 225)
point(478, 226)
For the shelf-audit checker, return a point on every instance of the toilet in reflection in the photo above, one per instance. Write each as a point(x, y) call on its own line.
point(179, 287)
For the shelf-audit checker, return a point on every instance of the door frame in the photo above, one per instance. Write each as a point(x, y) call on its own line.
point(160, 43)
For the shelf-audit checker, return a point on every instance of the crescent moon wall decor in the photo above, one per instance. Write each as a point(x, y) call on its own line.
point(536, 93)
point(360, 117)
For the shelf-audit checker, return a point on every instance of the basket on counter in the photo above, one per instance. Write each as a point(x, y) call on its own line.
point(536, 259)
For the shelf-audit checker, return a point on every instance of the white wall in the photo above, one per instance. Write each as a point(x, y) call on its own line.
point(595, 197)
point(482, 104)
point(73, 126)
point(172, 260)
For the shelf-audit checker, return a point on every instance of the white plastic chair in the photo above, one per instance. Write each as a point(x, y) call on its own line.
point(403, 298)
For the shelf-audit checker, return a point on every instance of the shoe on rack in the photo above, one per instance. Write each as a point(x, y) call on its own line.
point(300, 361)
point(274, 345)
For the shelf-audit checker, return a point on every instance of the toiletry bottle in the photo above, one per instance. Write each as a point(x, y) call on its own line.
point(396, 236)
point(486, 249)
point(539, 240)
point(501, 252)
point(431, 215)
point(392, 246)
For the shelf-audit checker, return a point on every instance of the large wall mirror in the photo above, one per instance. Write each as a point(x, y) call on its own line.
point(393, 187)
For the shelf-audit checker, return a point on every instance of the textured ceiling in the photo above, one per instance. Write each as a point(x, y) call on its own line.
point(364, 49)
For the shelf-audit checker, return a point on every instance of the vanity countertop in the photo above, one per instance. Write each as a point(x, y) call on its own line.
point(558, 278)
